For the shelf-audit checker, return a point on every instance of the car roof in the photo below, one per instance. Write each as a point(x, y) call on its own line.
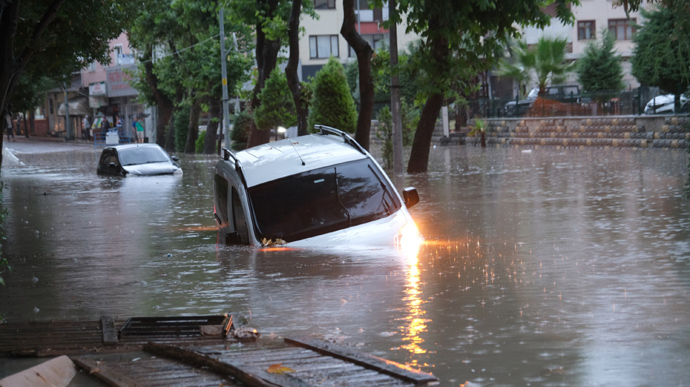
point(130, 146)
point(287, 157)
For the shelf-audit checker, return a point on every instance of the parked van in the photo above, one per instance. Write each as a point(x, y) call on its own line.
point(322, 189)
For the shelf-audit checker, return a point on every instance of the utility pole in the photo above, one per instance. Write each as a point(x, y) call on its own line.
point(68, 126)
point(395, 94)
point(224, 74)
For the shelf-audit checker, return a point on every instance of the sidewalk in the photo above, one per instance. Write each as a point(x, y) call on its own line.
point(21, 144)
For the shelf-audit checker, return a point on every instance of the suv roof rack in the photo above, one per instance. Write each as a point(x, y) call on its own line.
point(323, 129)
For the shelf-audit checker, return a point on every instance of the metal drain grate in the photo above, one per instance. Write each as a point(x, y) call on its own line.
point(183, 326)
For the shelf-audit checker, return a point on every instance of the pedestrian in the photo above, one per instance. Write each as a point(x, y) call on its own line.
point(140, 130)
point(8, 123)
point(134, 129)
point(85, 127)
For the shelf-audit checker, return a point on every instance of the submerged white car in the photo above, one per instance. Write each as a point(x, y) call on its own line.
point(322, 190)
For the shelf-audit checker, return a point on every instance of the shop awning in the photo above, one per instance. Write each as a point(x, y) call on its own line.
point(77, 107)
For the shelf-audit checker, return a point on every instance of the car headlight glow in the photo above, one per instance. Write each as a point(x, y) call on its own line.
point(409, 239)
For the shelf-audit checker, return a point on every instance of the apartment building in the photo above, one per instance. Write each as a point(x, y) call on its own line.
point(323, 40)
point(97, 88)
point(591, 16)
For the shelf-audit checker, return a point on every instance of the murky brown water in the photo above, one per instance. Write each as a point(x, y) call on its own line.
point(543, 267)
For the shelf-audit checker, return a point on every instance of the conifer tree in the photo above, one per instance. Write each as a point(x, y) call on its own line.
point(599, 71)
point(277, 106)
point(332, 104)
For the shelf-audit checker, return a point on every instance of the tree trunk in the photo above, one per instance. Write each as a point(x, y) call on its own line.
point(291, 68)
point(266, 60)
point(170, 137)
point(419, 156)
point(193, 128)
point(366, 83)
point(165, 105)
point(211, 138)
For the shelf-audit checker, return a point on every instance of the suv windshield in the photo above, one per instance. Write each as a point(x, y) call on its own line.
point(321, 201)
point(142, 155)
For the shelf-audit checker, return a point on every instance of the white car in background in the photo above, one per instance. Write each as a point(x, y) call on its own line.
point(321, 190)
point(664, 104)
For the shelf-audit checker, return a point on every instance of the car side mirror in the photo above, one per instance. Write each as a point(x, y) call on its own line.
point(411, 196)
point(175, 158)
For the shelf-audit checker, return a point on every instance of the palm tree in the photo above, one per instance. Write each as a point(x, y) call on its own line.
point(542, 64)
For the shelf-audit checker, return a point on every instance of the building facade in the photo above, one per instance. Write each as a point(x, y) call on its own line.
point(591, 17)
point(323, 39)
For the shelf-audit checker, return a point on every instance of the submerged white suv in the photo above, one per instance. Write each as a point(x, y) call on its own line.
point(322, 189)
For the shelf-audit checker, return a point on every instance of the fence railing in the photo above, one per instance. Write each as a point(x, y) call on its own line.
point(644, 100)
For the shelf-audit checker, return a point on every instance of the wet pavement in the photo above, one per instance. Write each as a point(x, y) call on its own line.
point(542, 266)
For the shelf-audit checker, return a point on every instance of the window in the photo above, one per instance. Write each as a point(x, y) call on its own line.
point(323, 46)
point(586, 30)
point(622, 29)
point(324, 4)
point(321, 201)
point(92, 66)
point(118, 51)
point(376, 41)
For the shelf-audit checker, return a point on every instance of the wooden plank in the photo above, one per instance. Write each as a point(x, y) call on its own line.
point(104, 373)
point(245, 374)
point(108, 329)
point(57, 372)
point(368, 361)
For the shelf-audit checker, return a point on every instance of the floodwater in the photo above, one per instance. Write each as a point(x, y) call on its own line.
point(542, 267)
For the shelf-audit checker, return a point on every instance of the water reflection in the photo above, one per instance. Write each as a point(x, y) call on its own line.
point(415, 323)
point(555, 267)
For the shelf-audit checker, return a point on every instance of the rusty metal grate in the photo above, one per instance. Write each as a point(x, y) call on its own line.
point(182, 326)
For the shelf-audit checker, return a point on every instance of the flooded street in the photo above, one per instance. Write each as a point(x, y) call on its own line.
point(542, 267)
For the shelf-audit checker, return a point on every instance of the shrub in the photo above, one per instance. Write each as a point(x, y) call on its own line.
point(181, 128)
point(199, 144)
point(332, 103)
point(240, 130)
point(277, 107)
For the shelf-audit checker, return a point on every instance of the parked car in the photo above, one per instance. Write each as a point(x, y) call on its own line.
point(665, 104)
point(137, 160)
point(321, 189)
point(562, 93)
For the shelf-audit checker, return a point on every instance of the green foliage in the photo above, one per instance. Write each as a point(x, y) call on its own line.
point(332, 103)
point(4, 264)
point(184, 34)
point(181, 128)
point(542, 64)
point(479, 127)
point(277, 107)
point(199, 144)
point(385, 134)
point(599, 70)
point(409, 118)
point(240, 130)
point(662, 51)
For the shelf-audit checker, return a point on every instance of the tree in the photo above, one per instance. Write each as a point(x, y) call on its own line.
point(41, 35)
point(366, 82)
point(277, 106)
point(296, 87)
point(268, 18)
point(542, 65)
point(459, 40)
point(662, 52)
point(331, 103)
point(599, 70)
point(190, 65)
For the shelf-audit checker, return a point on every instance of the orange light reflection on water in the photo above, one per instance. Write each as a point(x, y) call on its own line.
point(416, 324)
